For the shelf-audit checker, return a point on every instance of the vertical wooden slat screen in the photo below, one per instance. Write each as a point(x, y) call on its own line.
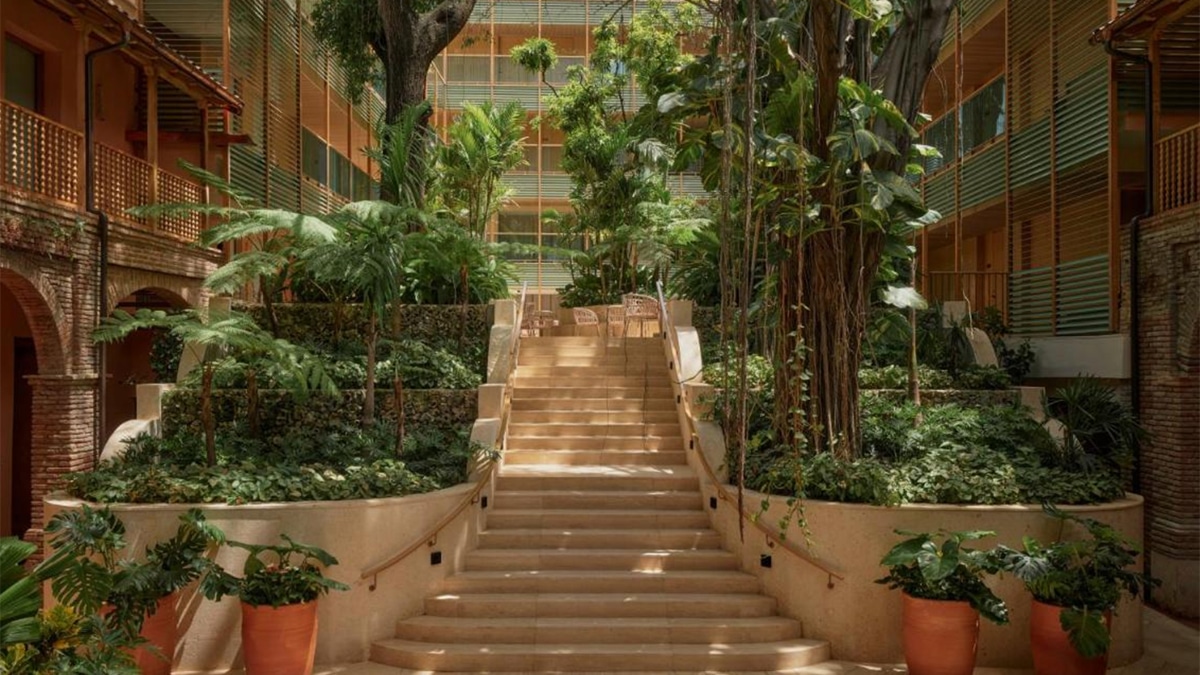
point(247, 57)
point(283, 105)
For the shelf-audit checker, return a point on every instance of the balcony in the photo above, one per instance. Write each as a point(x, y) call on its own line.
point(978, 289)
point(45, 159)
point(1177, 170)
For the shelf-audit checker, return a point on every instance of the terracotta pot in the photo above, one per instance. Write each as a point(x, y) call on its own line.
point(940, 636)
point(279, 641)
point(159, 630)
point(1053, 653)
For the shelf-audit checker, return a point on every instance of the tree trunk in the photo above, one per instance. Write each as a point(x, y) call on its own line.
point(206, 415)
point(368, 417)
point(412, 41)
point(252, 412)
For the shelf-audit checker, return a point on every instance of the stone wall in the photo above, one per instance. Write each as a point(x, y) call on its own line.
point(1169, 358)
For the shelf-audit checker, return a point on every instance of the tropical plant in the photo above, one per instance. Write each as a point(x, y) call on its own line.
point(232, 331)
point(276, 576)
point(1101, 430)
point(939, 567)
point(1085, 577)
point(448, 265)
point(482, 144)
point(20, 590)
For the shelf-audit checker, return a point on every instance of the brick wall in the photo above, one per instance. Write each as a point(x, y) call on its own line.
point(49, 260)
point(1169, 292)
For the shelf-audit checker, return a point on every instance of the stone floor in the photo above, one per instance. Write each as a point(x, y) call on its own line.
point(1171, 649)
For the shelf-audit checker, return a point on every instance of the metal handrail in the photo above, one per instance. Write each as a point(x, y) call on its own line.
point(773, 538)
point(429, 537)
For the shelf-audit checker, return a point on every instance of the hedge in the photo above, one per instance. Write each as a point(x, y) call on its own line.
point(972, 398)
point(281, 413)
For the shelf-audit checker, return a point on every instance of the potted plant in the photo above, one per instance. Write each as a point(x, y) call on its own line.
point(1075, 587)
point(138, 597)
point(279, 588)
point(944, 596)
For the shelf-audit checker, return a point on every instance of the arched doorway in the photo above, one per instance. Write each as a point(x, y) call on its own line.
point(132, 361)
point(30, 347)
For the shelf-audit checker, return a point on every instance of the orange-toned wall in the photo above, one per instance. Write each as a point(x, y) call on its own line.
point(12, 325)
point(115, 101)
point(61, 46)
point(128, 366)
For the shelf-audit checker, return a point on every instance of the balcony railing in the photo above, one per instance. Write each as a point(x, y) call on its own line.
point(40, 156)
point(978, 289)
point(1177, 169)
point(44, 158)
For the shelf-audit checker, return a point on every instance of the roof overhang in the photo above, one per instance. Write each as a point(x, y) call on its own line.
point(109, 21)
point(1141, 18)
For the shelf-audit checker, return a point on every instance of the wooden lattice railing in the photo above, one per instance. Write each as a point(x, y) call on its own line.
point(175, 190)
point(122, 182)
point(1177, 169)
point(40, 155)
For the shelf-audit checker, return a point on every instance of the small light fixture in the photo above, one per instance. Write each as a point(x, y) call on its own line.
point(483, 502)
point(435, 558)
point(764, 560)
point(712, 503)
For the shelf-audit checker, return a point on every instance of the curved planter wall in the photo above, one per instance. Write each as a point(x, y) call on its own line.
point(862, 619)
point(359, 533)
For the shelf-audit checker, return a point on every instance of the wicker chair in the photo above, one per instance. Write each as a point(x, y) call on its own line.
point(586, 317)
point(639, 309)
point(535, 321)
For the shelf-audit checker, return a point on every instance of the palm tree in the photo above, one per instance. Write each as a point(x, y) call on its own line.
point(215, 334)
point(274, 239)
point(483, 144)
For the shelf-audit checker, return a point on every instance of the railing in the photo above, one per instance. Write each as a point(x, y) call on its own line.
point(40, 155)
point(978, 289)
point(428, 537)
point(774, 538)
point(174, 190)
point(1177, 169)
point(122, 182)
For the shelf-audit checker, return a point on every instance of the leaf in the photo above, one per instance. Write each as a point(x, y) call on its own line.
point(906, 551)
point(670, 101)
point(904, 297)
point(1086, 630)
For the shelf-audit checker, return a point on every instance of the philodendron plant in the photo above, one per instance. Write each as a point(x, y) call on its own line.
point(1084, 577)
point(939, 567)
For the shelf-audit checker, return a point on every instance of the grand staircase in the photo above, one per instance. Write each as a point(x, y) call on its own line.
point(598, 554)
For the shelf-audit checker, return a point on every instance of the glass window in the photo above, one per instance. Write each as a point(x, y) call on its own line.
point(316, 158)
point(22, 75)
point(983, 116)
point(940, 134)
point(361, 186)
point(339, 173)
point(552, 156)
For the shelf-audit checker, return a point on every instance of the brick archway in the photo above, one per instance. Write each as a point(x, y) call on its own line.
point(43, 310)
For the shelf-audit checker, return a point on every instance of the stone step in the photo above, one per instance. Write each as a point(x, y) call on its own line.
point(601, 581)
point(598, 395)
point(598, 500)
point(674, 442)
point(596, 457)
point(589, 342)
point(541, 400)
point(596, 428)
point(610, 519)
point(600, 559)
point(637, 370)
point(624, 383)
point(601, 605)
point(679, 630)
point(654, 360)
point(578, 539)
point(597, 478)
point(568, 657)
point(580, 418)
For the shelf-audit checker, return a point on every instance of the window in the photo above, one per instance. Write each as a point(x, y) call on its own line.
point(339, 173)
point(22, 75)
point(361, 186)
point(983, 116)
point(316, 158)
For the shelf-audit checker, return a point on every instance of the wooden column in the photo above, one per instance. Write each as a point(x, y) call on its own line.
point(84, 40)
point(152, 134)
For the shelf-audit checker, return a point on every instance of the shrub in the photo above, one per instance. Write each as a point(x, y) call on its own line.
point(1101, 431)
point(352, 464)
point(952, 571)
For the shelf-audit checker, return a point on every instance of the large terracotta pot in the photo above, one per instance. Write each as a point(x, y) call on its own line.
point(940, 636)
point(279, 641)
point(1053, 653)
point(159, 630)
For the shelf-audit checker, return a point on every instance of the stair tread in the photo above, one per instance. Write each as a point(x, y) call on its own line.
point(599, 530)
point(592, 621)
point(597, 470)
point(784, 646)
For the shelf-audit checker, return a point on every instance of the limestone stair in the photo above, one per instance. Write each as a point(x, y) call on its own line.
point(598, 554)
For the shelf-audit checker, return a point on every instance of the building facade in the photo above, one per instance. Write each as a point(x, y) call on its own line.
point(235, 87)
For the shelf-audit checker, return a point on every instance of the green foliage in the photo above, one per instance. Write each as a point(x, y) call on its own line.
point(284, 574)
point(896, 377)
point(70, 641)
point(759, 373)
point(482, 144)
point(1016, 361)
point(165, 352)
point(346, 28)
point(1101, 431)
point(536, 55)
point(300, 466)
point(922, 568)
point(1086, 577)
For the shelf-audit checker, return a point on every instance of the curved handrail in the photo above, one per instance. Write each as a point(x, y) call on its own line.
point(429, 537)
point(773, 537)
